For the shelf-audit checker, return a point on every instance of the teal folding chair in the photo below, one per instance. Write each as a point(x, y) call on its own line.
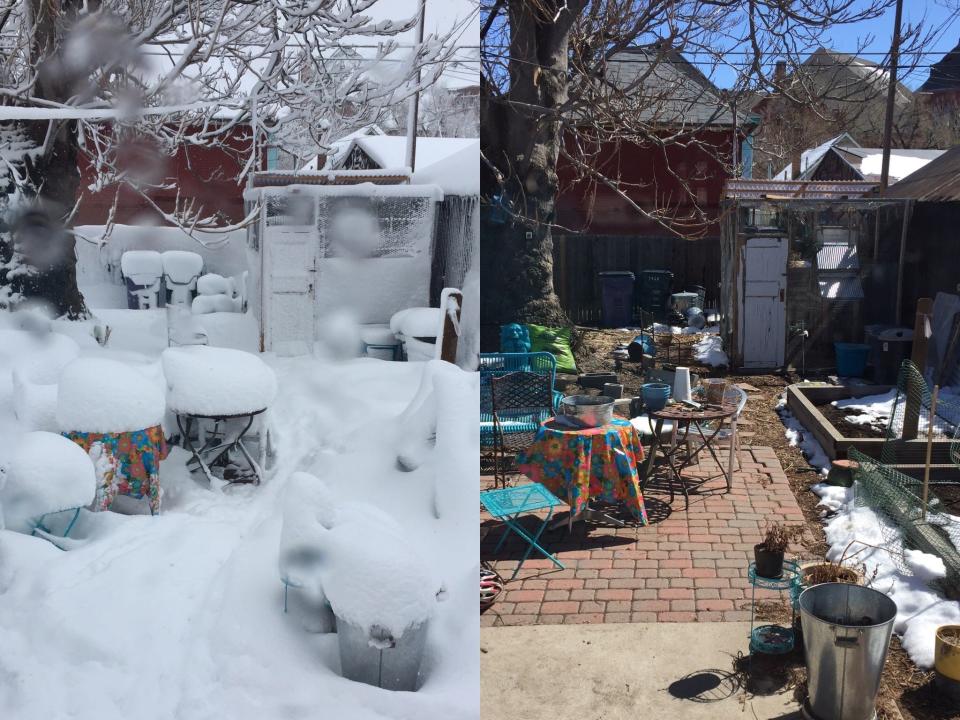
point(508, 504)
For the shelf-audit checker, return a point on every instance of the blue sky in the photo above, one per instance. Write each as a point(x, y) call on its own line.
point(878, 32)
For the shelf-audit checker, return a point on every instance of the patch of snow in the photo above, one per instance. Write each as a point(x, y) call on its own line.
point(107, 396)
point(213, 284)
point(46, 474)
point(709, 351)
point(900, 165)
point(416, 322)
point(798, 436)
point(217, 381)
point(871, 410)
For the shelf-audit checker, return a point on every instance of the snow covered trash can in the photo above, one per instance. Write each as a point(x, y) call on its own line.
point(181, 270)
point(846, 635)
point(373, 656)
point(143, 272)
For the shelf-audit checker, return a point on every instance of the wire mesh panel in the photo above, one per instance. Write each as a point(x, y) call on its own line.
point(374, 252)
point(910, 423)
point(458, 226)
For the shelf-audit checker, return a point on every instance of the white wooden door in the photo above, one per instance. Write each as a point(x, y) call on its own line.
point(764, 322)
point(290, 268)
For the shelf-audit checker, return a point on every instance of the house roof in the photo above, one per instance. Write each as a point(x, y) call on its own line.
point(903, 161)
point(811, 158)
point(743, 189)
point(864, 72)
point(937, 180)
point(666, 88)
point(390, 151)
point(944, 74)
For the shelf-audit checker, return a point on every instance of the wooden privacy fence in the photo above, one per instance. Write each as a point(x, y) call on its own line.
point(578, 259)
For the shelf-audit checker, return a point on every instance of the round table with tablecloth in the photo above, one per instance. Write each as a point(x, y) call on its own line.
point(583, 464)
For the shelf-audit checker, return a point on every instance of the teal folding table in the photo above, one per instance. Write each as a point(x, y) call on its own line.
point(507, 504)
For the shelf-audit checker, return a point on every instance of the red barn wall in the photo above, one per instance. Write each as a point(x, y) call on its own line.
point(205, 174)
point(597, 209)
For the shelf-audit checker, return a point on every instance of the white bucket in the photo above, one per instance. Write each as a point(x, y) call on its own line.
point(681, 384)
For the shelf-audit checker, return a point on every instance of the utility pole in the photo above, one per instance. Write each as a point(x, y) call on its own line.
point(891, 96)
point(414, 109)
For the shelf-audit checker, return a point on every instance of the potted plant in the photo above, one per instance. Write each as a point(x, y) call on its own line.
point(769, 553)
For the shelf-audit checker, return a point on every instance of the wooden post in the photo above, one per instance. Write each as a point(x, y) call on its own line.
point(907, 212)
point(926, 464)
point(911, 417)
point(891, 97)
point(449, 340)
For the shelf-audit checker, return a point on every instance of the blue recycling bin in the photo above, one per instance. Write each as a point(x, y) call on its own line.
point(616, 296)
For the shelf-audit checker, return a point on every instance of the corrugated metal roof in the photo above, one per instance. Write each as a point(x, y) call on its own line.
point(742, 189)
point(841, 287)
point(937, 180)
point(838, 256)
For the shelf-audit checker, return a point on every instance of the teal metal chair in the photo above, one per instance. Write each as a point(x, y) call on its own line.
point(516, 423)
point(508, 504)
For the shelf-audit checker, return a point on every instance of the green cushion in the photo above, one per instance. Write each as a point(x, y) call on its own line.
point(556, 341)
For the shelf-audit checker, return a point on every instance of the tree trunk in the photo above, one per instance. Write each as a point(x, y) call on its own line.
point(47, 246)
point(521, 138)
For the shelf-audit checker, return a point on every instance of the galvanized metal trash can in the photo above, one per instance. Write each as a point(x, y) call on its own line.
point(846, 635)
point(374, 657)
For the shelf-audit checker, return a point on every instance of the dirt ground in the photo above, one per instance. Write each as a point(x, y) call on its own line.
point(906, 691)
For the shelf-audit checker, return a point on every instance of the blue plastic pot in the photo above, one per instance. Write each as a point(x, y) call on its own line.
point(655, 395)
point(851, 359)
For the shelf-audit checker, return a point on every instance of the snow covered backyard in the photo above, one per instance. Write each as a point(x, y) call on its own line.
point(181, 615)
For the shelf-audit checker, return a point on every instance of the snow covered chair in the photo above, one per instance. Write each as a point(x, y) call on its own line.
point(143, 272)
point(225, 391)
point(118, 407)
point(216, 293)
point(46, 477)
point(429, 333)
point(181, 270)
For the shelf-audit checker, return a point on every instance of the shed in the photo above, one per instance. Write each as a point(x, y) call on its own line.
point(793, 269)
point(322, 245)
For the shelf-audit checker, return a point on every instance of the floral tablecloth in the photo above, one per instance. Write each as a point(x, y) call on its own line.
point(127, 463)
point(588, 464)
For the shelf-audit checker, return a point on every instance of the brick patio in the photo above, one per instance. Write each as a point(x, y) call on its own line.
point(683, 566)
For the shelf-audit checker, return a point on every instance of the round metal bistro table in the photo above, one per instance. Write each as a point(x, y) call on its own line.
point(677, 458)
point(220, 443)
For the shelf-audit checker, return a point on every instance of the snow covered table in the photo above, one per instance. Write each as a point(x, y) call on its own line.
point(228, 387)
point(114, 412)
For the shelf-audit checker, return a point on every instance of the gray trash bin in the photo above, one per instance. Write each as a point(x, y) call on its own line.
point(846, 634)
point(374, 657)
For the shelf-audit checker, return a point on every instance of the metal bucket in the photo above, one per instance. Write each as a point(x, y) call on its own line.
point(846, 634)
point(374, 657)
point(590, 410)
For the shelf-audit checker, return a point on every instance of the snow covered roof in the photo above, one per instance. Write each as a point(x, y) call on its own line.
point(903, 162)
point(457, 173)
point(390, 151)
point(811, 157)
point(338, 148)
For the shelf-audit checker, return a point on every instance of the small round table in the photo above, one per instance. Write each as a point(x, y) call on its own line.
point(685, 417)
point(580, 465)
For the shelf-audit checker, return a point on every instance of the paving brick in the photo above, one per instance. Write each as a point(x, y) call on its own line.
point(690, 566)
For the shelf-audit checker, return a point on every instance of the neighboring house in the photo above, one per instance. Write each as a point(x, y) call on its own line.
point(828, 95)
point(842, 158)
point(205, 175)
point(674, 96)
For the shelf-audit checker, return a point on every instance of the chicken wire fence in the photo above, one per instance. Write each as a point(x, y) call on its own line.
point(893, 485)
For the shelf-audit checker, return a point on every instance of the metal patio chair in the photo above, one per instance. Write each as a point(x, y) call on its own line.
point(493, 365)
point(520, 401)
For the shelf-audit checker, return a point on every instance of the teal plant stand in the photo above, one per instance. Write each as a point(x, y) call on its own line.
point(767, 638)
point(508, 504)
